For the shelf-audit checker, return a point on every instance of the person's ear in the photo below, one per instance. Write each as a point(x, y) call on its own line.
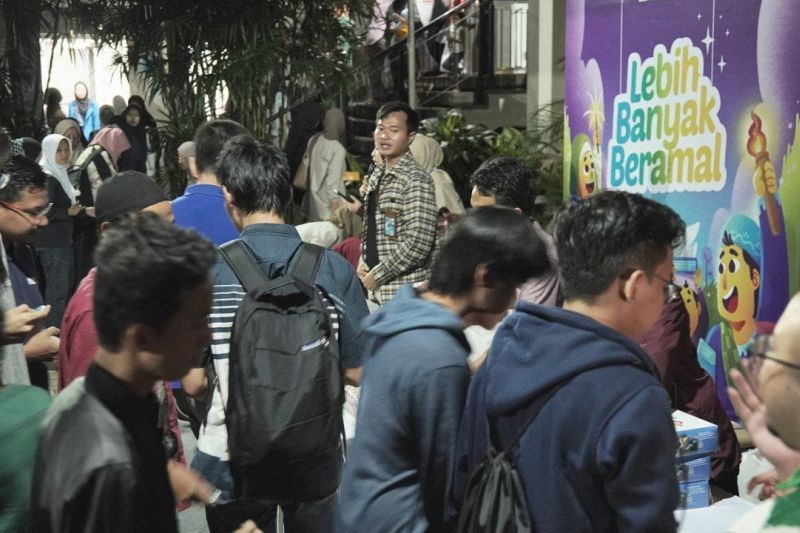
point(193, 170)
point(630, 286)
point(104, 226)
point(138, 338)
point(411, 137)
point(228, 198)
point(480, 277)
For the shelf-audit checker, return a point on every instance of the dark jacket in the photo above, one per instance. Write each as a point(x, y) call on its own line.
point(599, 457)
point(100, 464)
point(400, 462)
point(58, 231)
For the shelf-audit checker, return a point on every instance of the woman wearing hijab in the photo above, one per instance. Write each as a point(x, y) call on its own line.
point(54, 241)
point(152, 144)
point(306, 120)
point(53, 111)
point(96, 164)
point(70, 129)
point(84, 110)
point(429, 155)
point(327, 165)
point(131, 123)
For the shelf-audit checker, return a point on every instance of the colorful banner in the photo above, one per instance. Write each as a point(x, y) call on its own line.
point(695, 104)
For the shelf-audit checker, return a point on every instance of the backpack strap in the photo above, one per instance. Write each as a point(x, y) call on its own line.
point(243, 263)
point(526, 415)
point(306, 263)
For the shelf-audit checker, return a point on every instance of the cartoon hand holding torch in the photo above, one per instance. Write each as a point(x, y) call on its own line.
point(764, 181)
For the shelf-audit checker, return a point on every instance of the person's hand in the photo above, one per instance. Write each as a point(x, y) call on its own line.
point(354, 206)
point(43, 344)
point(74, 209)
point(764, 180)
point(769, 479)
point(187, 484)
point(753, 414)
point(90, 211)
point(377, 158)
point(369, 281)
point(20, 320)
point(362, 269)
point(248, 527)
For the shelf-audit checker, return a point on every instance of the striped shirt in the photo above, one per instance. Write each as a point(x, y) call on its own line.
point(273, 245)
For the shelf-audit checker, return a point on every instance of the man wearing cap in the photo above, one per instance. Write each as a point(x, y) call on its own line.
point(122, 194)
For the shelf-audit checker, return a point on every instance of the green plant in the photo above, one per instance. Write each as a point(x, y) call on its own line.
point(20, 74)
point(466, 146)
point(257, 54)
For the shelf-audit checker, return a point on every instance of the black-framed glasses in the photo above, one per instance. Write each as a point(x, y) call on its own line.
point(671, 289)
point(33, 214)
point(759, 351)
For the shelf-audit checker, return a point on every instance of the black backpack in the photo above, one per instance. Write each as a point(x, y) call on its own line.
point(495, 500)
point(286, 387)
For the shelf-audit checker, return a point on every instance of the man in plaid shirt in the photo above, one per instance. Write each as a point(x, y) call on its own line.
point(399, 209)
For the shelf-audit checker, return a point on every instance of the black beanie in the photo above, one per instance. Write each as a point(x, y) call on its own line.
point(125, 193)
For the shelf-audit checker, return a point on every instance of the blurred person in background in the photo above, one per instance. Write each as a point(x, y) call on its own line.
point(84, 110)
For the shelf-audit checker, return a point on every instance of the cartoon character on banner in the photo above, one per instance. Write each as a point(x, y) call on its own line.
point(752, 286)
point(585, 180)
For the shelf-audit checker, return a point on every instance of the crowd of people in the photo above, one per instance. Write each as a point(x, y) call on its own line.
point(214, 307)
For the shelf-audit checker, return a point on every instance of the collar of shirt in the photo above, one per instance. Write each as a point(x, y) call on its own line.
point(266, 228)
point(204, 188)
point(118, 398)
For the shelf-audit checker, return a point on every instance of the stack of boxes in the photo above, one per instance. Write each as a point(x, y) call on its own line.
point(697, 440)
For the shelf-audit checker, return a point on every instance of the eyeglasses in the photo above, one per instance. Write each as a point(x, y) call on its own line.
point(32, 214)
point(671, 289)
point(757, 354)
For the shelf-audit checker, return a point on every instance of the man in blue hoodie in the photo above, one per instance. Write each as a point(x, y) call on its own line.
point(415, 380)
point(599, 455)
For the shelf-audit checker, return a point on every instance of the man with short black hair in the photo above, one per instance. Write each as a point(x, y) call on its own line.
point(600, 454)
point(399, 209)
point(152, 298)
point(24, 205)
point(258, 191)
point(202, 206)
point(415, 380)
point(508, 182)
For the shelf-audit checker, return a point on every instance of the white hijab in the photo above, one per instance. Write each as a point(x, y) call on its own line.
point(59, 172)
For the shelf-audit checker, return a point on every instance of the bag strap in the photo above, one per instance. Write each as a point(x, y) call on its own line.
point(528, 414)
point(311, 143)
point(306, 263)
point(243, 263)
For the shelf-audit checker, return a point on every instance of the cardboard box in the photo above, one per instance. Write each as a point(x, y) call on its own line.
point(693, 470)
point(696, 437)
point(694, 495)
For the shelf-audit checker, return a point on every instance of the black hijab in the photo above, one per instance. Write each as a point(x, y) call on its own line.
point(306, 121)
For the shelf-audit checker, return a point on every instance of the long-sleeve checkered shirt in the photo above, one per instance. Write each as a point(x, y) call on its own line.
point(405, 223)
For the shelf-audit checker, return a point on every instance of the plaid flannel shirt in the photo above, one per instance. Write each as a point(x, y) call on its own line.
point(405, 220)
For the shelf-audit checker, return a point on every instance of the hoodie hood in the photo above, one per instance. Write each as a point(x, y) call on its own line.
point(407, 311)
point(538, 347)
